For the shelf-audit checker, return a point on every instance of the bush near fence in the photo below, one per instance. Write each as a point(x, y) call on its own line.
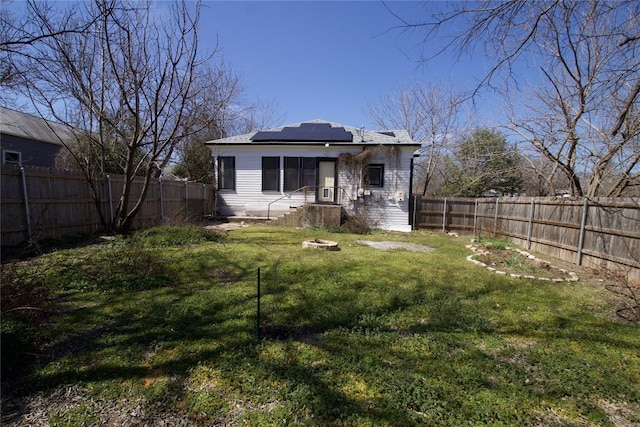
point(598, 233)
point(42, 203)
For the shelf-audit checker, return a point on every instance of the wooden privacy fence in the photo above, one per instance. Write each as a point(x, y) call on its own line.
point(599, 233)
point(40, 203)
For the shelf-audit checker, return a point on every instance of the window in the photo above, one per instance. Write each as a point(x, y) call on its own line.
point(226, 173)
point(270, 173)
point(299, 172)
point(11, 157)
point(375, 175)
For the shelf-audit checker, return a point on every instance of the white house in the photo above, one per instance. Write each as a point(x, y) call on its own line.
point(266, 173)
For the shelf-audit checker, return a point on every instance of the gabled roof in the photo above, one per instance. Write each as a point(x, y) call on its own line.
point(24, 125)
point(319, 132)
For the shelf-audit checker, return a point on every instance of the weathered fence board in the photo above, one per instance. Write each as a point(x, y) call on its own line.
point(38, 203)
point(599, 233)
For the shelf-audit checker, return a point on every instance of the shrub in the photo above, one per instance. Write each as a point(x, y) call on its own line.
point(355, 224)
point(24, 304)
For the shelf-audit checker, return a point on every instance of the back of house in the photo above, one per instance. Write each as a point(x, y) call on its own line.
point(367, 173)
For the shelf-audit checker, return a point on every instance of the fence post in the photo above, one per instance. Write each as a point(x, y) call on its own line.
point(110, 195)
point(204, 201)
point(583, 224)
point(186, 204)
point(27, 210)
point(444, 215)
point(530, 226)
point(161, 201)
point(495, 218)
point(475, 216)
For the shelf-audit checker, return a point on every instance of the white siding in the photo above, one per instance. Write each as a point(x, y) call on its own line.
point(388, 207)
point(381, 207)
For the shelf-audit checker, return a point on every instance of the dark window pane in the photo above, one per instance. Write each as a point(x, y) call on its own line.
point(291, 174)
point(270, 173)
point(227, 173)
point(375, 174)
point(308, 172)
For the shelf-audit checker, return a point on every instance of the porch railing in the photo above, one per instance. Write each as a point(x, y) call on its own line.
point(342, 193)
point(287, 195)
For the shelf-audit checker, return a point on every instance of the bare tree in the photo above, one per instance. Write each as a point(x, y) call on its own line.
point(582, 111)
point(17, 35)
point(259, 115)
point(431, 115)
point(134, 79)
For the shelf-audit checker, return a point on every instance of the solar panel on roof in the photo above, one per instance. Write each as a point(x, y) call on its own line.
point(306, 132)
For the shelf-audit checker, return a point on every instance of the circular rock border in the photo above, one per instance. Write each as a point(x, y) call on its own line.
point(326, 245)
point(573, 277)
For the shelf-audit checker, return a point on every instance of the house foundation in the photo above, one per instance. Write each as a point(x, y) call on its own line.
point(311, 215)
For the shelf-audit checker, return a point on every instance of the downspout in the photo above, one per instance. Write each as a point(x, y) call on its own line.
point(412, 205)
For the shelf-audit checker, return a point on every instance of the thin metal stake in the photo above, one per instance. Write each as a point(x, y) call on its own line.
point(258, 314)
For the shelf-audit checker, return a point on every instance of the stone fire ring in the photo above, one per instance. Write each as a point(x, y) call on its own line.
point(326, 245)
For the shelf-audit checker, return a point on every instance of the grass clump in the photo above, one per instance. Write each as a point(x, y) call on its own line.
point(493, 243)
point(358, 336)
point(176, 235)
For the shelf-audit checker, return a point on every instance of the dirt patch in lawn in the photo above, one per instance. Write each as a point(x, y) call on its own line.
point(391, 245)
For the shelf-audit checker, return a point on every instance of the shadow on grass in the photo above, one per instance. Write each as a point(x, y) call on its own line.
point(424, 369)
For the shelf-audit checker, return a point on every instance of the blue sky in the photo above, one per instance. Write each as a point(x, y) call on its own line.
point(325, 59)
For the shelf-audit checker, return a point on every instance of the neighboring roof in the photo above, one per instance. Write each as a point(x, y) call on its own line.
point(24, 125)
point(319, 132)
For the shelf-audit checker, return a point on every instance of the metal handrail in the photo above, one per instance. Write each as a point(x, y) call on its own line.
point(341, 191)
point(282, 197)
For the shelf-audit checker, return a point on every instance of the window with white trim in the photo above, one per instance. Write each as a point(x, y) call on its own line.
point(226, 173)
point(270, 173)
point(299, 172)
point(10, 157)
point(375, 175)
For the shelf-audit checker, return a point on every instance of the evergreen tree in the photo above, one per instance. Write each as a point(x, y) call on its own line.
point(481, 163)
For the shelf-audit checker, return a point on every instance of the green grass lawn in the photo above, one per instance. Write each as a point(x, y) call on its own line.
point(162, 326)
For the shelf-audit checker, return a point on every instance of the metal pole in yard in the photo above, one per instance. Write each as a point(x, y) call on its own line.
point(475, 217)
point(258, 313)
point(583, 224)
point(530, 227)
point(204, 200)
point(495, 218)
point(444, 215)
point(27, 210)
point(110, 196)
point(161, 202)
point(186, 212)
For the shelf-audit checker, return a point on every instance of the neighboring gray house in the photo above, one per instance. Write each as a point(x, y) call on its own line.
point(266, 173)
point(29, 140)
